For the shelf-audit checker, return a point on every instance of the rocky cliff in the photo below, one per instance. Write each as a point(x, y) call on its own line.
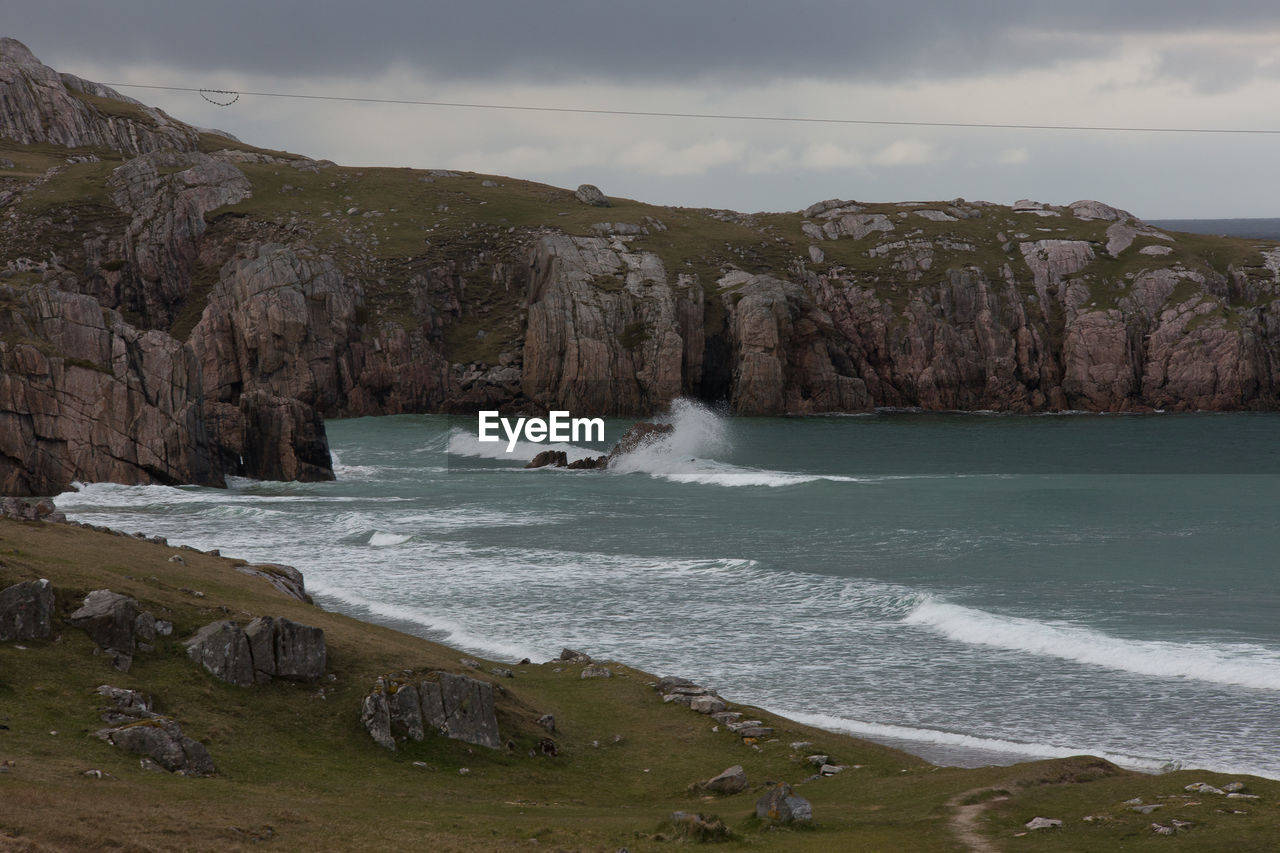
point(177, 306)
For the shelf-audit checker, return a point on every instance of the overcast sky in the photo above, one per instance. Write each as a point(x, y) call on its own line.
point(1148, 63)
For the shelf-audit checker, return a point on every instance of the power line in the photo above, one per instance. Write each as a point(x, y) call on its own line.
point(720, 116)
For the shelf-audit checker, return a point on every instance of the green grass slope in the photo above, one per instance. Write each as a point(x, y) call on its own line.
point(296, 769)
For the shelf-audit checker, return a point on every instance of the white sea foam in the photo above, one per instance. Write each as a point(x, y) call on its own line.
point(463, 443)
point(1239, 664)
point(454, 632)
point(963, 742)
point(386, 540)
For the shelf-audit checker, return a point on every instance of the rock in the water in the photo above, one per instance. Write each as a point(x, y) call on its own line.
point(1043, 823)
point(26, 611)
point(549, 459)
point(638, 436)
point(780, 805)
point(109, 619)
point(589, 463)
point(590, 194)
point(163, 741)
point(731, 781)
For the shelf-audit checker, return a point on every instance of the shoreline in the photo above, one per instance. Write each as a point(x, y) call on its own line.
point(939, 748)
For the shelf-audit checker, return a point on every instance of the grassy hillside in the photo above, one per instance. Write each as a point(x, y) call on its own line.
point(295, 767)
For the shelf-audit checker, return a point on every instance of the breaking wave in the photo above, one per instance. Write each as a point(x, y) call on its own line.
point(1238, 664)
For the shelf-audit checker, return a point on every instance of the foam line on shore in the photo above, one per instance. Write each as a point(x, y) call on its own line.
point(1236, 664)
point(963, 742)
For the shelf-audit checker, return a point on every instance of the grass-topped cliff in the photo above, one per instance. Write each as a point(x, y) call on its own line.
point(296, 768)
point(177, 305)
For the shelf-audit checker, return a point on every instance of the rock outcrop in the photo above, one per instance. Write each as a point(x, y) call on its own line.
point(136, 727)
point(166, 195)
point(287, 579)
point(37, 104)
point(268, 647)
point(407, 707)
point(608, 331)
point(26, 611)
point(85, 395)
point(118, 626)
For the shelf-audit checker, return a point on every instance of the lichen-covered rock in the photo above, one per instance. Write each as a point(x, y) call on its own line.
point(454, 706)
point(404, 705)
point(268, 647)
point(590, 194)
point(780, 805)
point(375, 716)
point(223, 650)
point(163, 741)
point(26, 611)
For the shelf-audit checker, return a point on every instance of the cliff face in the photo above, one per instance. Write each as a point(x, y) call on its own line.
point(176, 306)
point(86, 396)
point(608, 331)
point(37, 104)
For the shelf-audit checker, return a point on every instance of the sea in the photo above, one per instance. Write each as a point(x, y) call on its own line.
point(972, 588)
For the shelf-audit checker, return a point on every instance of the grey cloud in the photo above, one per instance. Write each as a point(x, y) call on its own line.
point(1213, 71)
point(563, 40)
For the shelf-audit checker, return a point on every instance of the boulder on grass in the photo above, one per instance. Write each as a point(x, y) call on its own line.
point(26, 611)
point(162, 740)
point(780, 805)
point(731, 781)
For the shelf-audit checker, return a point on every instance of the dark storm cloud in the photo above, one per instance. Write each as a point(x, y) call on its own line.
point(646, 41)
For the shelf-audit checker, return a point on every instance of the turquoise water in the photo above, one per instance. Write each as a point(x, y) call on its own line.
point(975, 589)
